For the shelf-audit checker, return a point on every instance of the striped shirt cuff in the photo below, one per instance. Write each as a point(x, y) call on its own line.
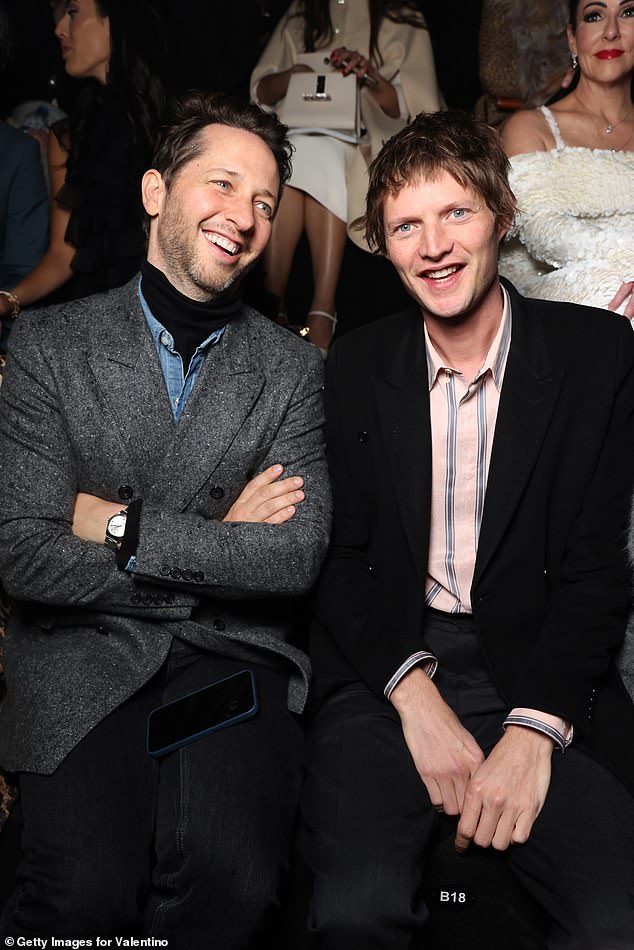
point(562, 739)
point(423, 658)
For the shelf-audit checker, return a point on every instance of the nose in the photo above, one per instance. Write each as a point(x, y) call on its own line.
point(61, 29)
point(435, 241)
point(612, 27)
point(241, 213)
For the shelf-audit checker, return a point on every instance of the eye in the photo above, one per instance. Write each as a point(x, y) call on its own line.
point(222, 184)
point(459, 214)
point(591, 17)
point(404, 228)
point(628, 12)
point(264, 208)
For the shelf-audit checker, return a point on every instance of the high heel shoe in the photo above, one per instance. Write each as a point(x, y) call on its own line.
point(306, 330)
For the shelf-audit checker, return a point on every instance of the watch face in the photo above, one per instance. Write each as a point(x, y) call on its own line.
point(116, 525)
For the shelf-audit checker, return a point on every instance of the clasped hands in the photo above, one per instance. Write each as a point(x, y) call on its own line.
point(266, 499)
point(499, 797)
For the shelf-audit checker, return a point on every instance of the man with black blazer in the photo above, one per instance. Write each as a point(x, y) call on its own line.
point(481, 450)
point(164, 503)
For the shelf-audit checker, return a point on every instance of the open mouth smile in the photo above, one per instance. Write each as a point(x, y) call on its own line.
point(219, 240)
point(443, 273)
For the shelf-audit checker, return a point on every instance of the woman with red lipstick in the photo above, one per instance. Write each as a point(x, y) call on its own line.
point(573, 171)
point(386, 46)
point(96, 159)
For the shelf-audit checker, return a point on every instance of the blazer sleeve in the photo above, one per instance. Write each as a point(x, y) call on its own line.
point(585, 624)
point(236, 559)
point(359, 607)
point(40, 558)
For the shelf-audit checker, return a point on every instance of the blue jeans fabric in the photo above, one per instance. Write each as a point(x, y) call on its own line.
point(192, 848)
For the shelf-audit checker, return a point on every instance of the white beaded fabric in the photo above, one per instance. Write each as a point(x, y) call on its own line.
point(573, 237)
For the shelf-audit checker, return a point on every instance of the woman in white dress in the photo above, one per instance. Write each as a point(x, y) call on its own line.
point(386, 45)
point(572, 171)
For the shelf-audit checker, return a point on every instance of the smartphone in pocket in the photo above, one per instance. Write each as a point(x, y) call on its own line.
point(202, 712)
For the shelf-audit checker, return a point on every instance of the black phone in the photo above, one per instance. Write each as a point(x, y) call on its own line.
point(202, 712)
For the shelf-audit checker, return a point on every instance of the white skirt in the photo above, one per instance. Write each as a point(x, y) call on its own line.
point(320, 164)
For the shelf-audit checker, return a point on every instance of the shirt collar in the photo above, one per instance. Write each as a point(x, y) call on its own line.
point(495, 360)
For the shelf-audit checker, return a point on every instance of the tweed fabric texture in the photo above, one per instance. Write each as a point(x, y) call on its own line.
point(84, 407)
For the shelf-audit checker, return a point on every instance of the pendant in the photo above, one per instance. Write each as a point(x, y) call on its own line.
point(609, 130)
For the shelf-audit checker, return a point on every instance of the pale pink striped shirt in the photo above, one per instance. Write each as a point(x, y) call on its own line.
point(463, 416)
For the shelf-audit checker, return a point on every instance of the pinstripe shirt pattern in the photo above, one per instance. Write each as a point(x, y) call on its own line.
point(463, 417)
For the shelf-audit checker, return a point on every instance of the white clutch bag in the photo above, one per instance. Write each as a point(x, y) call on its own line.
point(324, 102)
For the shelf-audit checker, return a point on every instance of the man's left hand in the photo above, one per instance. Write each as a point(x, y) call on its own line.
point(508, 791)
point(90, 517)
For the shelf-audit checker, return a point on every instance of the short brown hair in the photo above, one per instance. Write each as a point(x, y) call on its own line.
point(452, 141)
point(181, 140)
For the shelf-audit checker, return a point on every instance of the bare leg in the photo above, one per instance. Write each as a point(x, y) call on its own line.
point(326, 235)
point(286, 232)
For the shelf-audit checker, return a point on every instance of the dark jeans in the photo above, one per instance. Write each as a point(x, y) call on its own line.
point(192, 848)
point(369, 821)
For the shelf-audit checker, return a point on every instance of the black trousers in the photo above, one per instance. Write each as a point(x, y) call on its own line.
point(192, 848)
point(368, 820)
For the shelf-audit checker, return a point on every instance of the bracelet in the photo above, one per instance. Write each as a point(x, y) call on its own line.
point(13, 300)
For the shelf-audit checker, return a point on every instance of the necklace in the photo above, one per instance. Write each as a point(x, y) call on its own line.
point(610, 127)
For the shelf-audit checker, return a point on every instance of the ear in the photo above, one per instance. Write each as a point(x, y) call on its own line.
point(572, 43)
point(153, 192)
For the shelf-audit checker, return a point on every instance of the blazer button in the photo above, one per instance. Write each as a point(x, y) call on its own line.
point(176, 573)
point(164, 569)
point(217, 491)
point(219, 624)
point(362, 436)
point(125, 492)
point(199, 577)
point(187, 575)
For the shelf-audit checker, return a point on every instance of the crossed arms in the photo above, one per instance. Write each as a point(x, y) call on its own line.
point(48, 528)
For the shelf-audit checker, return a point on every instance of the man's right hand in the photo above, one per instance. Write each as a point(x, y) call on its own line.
point(267, 499)
point(444, 753)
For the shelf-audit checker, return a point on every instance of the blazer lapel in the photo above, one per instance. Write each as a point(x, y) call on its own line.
point(529, 395)
point(402, 399)
point(128, 373)
point(229, 384)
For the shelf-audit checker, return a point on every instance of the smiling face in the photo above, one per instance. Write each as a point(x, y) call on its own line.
point(211, 225)
point(84, 38)
point(603, 38)
point(443, 241)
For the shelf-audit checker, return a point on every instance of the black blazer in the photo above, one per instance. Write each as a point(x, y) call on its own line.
point(551, 585)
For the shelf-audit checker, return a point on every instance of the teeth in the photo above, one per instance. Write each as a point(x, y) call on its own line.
point(224, 243)
point(439, 274)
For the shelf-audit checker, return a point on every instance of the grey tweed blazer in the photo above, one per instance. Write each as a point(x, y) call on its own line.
point(84, 407)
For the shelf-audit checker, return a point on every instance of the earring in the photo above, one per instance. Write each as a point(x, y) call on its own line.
point(574, 61)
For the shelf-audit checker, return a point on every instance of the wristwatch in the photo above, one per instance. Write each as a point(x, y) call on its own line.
point(115, 529)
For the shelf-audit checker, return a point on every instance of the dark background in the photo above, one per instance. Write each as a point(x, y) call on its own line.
point(215, 46)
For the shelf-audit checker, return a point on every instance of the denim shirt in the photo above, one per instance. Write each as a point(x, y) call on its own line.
point(179, 385)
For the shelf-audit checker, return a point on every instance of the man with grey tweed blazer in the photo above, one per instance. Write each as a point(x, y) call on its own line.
point(164, 505)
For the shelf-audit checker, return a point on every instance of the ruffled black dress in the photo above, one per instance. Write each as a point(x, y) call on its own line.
point(103, 193)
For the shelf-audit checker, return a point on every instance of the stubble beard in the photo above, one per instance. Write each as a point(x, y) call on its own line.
point(183, 266)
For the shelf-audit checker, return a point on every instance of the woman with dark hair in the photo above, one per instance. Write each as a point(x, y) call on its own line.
point(385, 44)
point(573, 171)
point(96, 158)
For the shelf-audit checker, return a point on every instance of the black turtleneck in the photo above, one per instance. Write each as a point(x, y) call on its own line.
point(189, 321)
